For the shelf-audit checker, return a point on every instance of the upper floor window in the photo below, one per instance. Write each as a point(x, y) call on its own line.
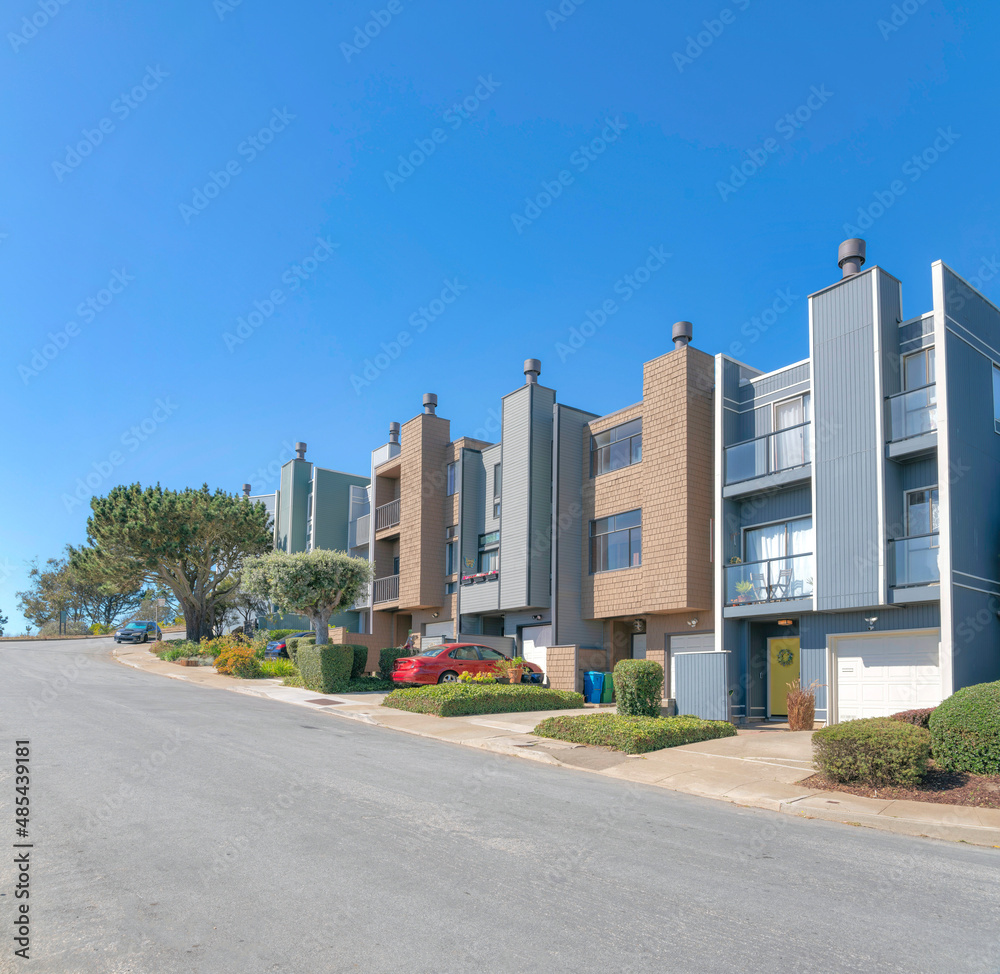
point(450, 478)
point(615, 448)
point(496, 490)
point(451, 558)
point(489, 552)
point(785, 540)
point(921, 512)
point(790, 444)
point(616, 542)
point(918, 369)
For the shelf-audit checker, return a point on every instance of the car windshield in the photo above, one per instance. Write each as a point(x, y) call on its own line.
point(136, 625)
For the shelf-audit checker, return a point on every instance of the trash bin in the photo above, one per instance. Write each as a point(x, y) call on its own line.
point(593, 683)
point(608, 689)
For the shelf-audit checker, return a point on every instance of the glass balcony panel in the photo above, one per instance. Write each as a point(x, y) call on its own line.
point(915, 561)
point(913, 413)
point(771, 453)
point(773, 580)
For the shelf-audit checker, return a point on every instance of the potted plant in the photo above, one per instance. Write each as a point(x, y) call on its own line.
point(743, 588)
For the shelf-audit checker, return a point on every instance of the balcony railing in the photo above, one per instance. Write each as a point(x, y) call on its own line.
point(773, 580)
point(771, 453)
point(386, 589)
point(912, 413)
point(387, 515)
point(915, 560)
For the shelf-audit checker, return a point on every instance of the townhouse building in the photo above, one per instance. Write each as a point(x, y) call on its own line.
point(857, 507)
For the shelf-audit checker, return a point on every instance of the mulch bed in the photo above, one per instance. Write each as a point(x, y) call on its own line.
point(943, 787)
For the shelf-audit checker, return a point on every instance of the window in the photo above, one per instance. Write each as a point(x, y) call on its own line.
point(489, 552)
point(615, 448)
point(921, 512)
point(450, 477)
point(451, 531)
point(451, 558)
point(467, 653)
point(918, 369)
point(785, 540)
point(790, 442)
point(616, 542)
point(450, 588)
point(996, 398)
point(490, 654)
point(496, 490)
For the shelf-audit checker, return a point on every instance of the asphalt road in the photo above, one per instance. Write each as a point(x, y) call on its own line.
point(177, 828)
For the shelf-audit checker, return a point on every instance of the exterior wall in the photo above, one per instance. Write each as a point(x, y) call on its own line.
point(331, 492)
point(291, 530)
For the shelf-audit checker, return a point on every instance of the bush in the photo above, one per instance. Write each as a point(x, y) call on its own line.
point(292, 646)
point(326, 668)
point(965, 730)
point(801, 706)
point(458, 699)
point(370, 684)
point(919, 718)
point(278, 668)
point(360, 661)
point(273, 635)
point(875, 751)
point(238, 661)
point(387, 657)
point(633, 735)
point(638, 687)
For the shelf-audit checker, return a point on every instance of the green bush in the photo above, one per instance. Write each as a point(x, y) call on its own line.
point(638, 687)
point(458, 699)
point(278, 668)
point(965, 730)
point(273, 635)
point(875, 751)
point(632, 734)
point(370, 684)
point(921, 717)
point(360, 661)
point(387, 657)
point(292, 646)
point(325, 669)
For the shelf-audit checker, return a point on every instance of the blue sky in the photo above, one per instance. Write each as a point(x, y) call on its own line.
point(217, 216)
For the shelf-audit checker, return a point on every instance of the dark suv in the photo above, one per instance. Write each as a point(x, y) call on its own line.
point(138, 632)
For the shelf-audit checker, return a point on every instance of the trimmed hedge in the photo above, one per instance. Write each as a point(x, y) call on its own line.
point(387, 657)
point(919, 718)
point(459, 699)
point(965, 730)
point(292, 646)
point(325, 669)
point(876, 751)
point(360, 661)
point(631, 734)
point(638, 687)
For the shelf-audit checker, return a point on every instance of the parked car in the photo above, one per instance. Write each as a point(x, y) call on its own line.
point(443, 664)
point(279, 647)
point(138, 632)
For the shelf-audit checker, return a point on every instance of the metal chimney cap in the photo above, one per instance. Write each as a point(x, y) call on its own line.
point(532, 369)
point(300, 449)
point(852, 253)
point(394, 432)
point(430, 402)
point(682, 332)
point(246, 490)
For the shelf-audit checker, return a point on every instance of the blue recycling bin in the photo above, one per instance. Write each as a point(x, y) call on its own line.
point(593, 684)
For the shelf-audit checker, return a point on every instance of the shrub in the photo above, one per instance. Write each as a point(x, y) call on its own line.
point(919, 718)
point(965, 730)
point(360, 661)
point(458, 699)
point(801, 705)
point(370, 684)
point(326, 668)
point(278, 668)
point(292, 646)
point(633, 735)
point(875, 751)
point(238, 661)
point(387, 657)
point(273, 635)
point(639, 687)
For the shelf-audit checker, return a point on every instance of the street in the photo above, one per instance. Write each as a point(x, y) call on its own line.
point(177, 828)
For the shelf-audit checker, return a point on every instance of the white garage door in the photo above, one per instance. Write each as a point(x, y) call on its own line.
point(881, 675)
point(534, 645)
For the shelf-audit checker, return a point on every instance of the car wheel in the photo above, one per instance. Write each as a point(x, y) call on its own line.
point(449, 676)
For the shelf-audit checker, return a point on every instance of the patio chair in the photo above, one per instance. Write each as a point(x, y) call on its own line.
point(782, 587)
point(759, 582)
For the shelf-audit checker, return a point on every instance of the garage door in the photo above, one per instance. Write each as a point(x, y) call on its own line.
point(534, 645)
point(881, 675)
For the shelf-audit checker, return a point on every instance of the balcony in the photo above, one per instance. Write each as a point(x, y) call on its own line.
point(387, 515)
point(774, 453)
point(913, 414)
point(773, 580)
point(915, 561)
point(386, 589)
point(364, 600)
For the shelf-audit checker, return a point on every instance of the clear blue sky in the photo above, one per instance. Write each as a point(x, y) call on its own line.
point(171, 257)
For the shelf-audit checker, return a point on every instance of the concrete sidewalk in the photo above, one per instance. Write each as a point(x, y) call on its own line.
point(758, 768)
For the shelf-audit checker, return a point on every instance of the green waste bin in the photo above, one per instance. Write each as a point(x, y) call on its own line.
point(608, 691)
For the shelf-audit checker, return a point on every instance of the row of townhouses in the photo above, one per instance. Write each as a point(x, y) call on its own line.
point(835, 521)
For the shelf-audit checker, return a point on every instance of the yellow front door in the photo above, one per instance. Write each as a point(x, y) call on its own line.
point(783, 668)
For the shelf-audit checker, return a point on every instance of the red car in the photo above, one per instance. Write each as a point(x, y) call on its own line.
point(442, 664)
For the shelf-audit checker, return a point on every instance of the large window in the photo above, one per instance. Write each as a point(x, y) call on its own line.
point(785, 540)
point(616, 542)
point(489, 552)
point(450, 477)
point(918, 369)
point(496, 490)
point(451, 558)
point(921, 512)
point(790, 442)
point(615, 448)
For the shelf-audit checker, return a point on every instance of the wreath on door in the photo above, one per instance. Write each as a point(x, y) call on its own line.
point(785, 657)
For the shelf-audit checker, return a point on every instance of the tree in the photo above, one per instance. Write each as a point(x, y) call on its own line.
point(3, 622)
point(192, 541)
point(314, 583)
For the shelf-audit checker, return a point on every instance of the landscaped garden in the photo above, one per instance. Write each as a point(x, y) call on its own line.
point(462, 699)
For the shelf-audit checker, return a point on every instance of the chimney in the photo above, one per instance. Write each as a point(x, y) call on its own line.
point(532, 370)
point(394, 433)
point(300, 449)
point(246, 490)
point(430, 403)
point(682, 332)
point(851, 255)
